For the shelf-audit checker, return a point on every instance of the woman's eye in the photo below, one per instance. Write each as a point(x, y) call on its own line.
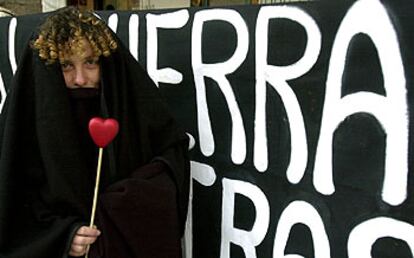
point(91, 62)
point(66, 66)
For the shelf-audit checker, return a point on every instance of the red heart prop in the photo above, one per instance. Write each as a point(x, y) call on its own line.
point(103, 131)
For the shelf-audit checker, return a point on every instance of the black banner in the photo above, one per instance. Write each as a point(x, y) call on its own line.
point(300, 117)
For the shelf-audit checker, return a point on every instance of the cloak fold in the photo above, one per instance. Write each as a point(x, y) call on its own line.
point(149, 193)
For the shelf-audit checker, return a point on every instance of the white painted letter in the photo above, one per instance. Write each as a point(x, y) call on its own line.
point(363, 236)
point(12, 53)
point(390, 110)
point(205, 175)
point(218, 73)
point(247, 240)
point(301, 212)
point(133, 35)
point(3, 93)
point(278, 76)
point(113, 22)
point(169, 21)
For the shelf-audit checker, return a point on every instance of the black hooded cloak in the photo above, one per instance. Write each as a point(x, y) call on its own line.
point(46, 182)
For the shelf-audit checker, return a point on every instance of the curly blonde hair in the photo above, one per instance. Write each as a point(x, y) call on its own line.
point(64, 33)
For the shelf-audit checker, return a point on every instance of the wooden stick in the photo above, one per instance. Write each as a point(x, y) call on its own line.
point(95, 195)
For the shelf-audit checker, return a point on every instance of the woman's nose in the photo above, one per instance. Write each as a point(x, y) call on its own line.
point(80, 79)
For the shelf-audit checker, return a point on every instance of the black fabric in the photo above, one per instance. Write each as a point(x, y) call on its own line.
point(148, 193)
point(85, 104)
point(46, 184)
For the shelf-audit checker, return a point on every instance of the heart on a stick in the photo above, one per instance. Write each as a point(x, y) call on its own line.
point(103, 131)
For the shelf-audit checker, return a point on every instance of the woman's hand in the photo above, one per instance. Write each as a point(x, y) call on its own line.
point(84, 237)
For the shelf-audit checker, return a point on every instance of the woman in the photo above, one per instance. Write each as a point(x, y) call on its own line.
point(75, 69)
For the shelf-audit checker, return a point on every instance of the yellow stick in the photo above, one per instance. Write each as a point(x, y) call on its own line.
point(95, 195)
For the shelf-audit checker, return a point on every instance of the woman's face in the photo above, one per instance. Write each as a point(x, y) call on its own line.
point(81, 70)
